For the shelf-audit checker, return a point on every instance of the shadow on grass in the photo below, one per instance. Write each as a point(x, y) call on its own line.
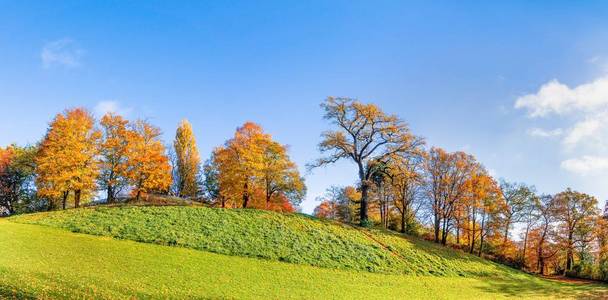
point(538, 287)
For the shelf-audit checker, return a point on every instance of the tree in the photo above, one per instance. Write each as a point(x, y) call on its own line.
point(250, 164)
point(406, 182)
point(67, 158)
point(516, 197)
point(188, 161)
point(541, 235)
point(211, 185)
point(280, 176)
point(367, 136)
point(239, 163)
point(326, 210)
point(576, 213)
point(448, 176)
point(148, 167)
point(339, 203)
point(481, 201)
point(113, 155)
point(529, 216)
point(16, 177)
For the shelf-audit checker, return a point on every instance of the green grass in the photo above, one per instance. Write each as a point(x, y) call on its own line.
point(326, 260)
point(290, 238)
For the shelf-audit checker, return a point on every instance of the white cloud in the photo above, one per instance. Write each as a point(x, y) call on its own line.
point(582, 112)
point(539, 132)
point(586, 164)
point(63, 52)
point(110, 106)
point(557, 98)
point(583, 129)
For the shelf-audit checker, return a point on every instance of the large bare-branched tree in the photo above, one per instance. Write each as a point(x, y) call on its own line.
point(367, 136)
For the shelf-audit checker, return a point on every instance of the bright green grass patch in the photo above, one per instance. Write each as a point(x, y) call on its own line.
point(290, 238)
point(47, 263)
point(285, 237)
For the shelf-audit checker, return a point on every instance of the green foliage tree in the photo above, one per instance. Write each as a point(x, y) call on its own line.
point(17, 168)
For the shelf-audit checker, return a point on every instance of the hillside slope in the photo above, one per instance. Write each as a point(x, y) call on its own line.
point(47, 262)
point(290, 238)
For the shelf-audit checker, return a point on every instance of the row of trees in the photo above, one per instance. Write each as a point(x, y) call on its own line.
point(452, 199)
point(79, 159)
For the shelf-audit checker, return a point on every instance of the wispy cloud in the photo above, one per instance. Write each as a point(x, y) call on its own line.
point(110, 106)
point(63, 52)
point(585, 165)
point(583, 112)
point(539, 132)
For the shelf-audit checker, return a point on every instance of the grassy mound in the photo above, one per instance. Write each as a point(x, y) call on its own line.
point(48, 263)
point(290, 238)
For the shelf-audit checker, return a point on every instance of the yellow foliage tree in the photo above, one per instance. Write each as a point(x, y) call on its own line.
point(67, 159)
point(188, 161)
point(113, 153)
point(148, 166)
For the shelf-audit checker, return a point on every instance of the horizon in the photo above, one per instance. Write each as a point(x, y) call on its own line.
point(523, 87)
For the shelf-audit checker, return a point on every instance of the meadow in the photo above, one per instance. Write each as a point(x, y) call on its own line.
point(155, 252)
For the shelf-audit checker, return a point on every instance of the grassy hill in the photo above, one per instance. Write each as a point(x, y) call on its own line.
point(324, 259)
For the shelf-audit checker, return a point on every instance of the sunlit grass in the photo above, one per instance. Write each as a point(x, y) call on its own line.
point(43, 262)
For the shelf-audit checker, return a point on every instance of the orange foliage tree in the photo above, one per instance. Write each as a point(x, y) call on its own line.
point(113, 153)
point(252, 169)
point(67, 159)
point(148, 166)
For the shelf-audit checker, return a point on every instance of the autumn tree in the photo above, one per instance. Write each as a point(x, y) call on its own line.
point(529, 218)
point(406, 178)
point(448, 176)
point(366, 136)
point(239, 164)
point(576, 214)
point(16, 177)
point(67, 158)
point(187, 161)
point(480, 203)
point(542, 235)
point(339, 203)
point(279, 175)
point(113, 150)
point(250, 162)
point(148, 168)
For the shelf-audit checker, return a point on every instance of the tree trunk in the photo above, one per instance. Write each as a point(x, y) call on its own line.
point(77, 194)
point(444, 232)
point(110, 192)
point(65, 199)
point(523, 255)
point(504, 242)
point(481, 236)
point(541, 261)
point(473, 235)
point(569, 254)
point(437, 224)
point(245, 194)
point(138, 196)
point(363, 212)
point(403, 223)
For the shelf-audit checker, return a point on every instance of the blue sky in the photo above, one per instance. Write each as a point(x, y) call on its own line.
point(522, 86)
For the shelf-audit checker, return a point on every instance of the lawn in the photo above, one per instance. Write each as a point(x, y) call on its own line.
point(51, 262)
point(293, 238)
